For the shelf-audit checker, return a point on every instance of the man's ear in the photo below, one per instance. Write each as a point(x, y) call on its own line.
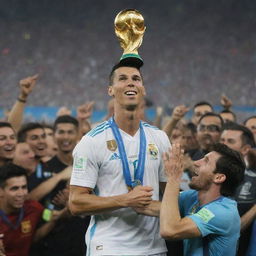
point(144, 91)
point(110, 90)
point(219, 178)
point(245, 149)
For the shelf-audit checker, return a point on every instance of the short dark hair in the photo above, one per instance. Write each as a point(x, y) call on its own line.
point(202, 103)
point(231, 164)
point(192, 127)
point(119, 65)
point(249, 118)
point(9, 171)
point(22, 133)
point(246, 136)
point(212, 114)
point(5, 124)
point(229, 112)
point(65, 119)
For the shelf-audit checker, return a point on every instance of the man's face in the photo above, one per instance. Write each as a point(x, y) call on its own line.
point(191, 140)
point(200, 111)
point(203, 173)
point(25, 157)
point(14, 193)
point(233, 140)
point(178, 137)
point(227, 117)
point(127, 89)
point(251, 124)
point(208, 132)
point(66, 136)
point(36, 138)
point(7, 143)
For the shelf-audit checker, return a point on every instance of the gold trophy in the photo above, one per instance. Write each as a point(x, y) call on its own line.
point(130, 28)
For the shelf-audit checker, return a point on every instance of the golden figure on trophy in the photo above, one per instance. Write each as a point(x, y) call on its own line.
point(130, 28)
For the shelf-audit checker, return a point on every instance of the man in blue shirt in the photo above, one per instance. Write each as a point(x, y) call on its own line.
point(205, 217)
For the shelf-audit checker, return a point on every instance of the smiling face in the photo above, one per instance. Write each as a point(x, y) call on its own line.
point(36, 138)
point(66, 136)
point(7, 143)
point(14, 193)
point(127, 88)
point(203, 173)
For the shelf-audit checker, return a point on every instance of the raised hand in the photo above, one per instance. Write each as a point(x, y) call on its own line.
point(173, 163)
point(225, 102)
point(85, 111)
point(179, 112)
point(27, 85)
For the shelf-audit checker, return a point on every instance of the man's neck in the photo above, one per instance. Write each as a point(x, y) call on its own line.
point(128, 121)
point(208, 196)
point(4, 161)
point(7, 210)
point(65, 157)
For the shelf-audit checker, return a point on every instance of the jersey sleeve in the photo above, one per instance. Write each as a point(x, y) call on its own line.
point(85, 167)
point(214, 218)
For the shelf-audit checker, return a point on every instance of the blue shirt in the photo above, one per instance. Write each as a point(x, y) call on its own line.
point(218, 222)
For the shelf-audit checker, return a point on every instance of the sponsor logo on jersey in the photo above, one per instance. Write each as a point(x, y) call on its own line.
point(111, 144)
point(114, 156)
point(26, 226)
point(153, 151)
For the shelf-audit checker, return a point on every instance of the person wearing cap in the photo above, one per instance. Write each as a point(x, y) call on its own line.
point(117, 168)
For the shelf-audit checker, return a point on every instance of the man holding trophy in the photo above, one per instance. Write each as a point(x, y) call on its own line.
point(118, 165)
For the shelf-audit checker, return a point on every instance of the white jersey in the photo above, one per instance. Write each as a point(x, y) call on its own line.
point(97, 165)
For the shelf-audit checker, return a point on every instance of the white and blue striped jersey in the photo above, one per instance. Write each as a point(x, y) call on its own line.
point(97, 165)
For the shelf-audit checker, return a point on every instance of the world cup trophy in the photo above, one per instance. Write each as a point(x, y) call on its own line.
point(129, 29)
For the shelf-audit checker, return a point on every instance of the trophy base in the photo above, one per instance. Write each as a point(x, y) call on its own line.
point(131, 60)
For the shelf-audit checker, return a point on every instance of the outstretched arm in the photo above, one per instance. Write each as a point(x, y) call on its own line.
point(16, 114)
point(177, 114)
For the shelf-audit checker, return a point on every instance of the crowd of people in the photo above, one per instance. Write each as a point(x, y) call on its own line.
point(191, 54)
point(127, 185)
point(36, 165)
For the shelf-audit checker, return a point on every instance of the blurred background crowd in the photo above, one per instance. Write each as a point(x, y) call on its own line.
point(192, 50)
point(199, 72)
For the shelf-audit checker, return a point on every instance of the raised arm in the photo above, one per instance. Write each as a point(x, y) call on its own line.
point(83, 201)
point(177, 114)
point(172, 226)
point(16, 114)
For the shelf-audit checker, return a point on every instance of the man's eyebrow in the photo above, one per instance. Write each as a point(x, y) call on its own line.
point(137, 76)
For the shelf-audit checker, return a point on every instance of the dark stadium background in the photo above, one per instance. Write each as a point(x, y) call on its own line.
point(193, 50)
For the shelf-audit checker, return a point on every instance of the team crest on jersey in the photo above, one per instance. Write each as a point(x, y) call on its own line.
point(26, 226)
point(153, 151)
point(111, 144)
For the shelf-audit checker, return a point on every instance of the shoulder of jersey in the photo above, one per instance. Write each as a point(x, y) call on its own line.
point(98, 129)
point(144, 124)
